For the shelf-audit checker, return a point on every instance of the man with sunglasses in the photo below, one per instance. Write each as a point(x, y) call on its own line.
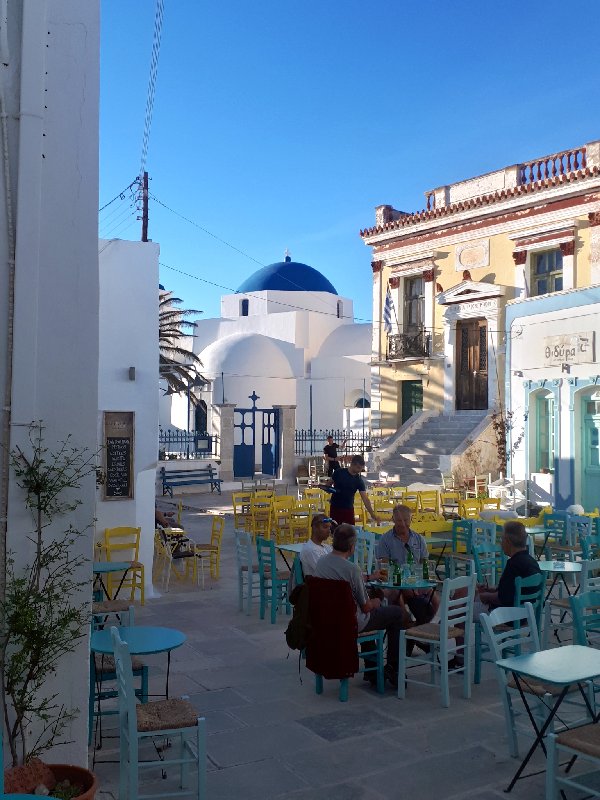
point(315, 548)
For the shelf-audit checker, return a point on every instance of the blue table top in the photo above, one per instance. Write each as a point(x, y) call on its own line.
point(291, 548)
point(564, 665)
point(560, 566)
point(418, 584)
point(101, 567)
point(142, 639)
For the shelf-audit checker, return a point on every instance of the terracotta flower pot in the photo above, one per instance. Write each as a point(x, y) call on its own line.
point(23, 780)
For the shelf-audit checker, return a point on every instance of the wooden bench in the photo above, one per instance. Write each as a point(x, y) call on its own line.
point(189, 477)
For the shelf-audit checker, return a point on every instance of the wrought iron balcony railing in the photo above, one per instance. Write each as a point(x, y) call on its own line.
point(409, 345)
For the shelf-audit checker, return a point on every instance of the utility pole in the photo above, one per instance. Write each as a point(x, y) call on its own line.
point(145, 207)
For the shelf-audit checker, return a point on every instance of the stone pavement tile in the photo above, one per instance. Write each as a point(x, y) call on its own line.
point(450, 732)
point(341, 791)
point(442, 775)
point(218, 721)
point(217, 699)
point(271, 712)
point(261, 780)
point(233, 676)
point(257, 743)
point(349, 722)
point(348, 759)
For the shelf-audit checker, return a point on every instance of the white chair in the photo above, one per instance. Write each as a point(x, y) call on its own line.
point(444, 640)
point(581, 743)
point(176, 721)
point(247, 571)
point(173, 551)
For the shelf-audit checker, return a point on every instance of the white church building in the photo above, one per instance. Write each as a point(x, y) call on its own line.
point(289, 337)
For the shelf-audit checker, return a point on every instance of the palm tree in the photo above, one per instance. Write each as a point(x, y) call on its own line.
point(178, 365)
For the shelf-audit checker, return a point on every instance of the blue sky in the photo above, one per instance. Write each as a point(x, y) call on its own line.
point(282, 124)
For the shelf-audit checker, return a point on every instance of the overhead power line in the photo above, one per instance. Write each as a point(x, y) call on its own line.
point(156, 40)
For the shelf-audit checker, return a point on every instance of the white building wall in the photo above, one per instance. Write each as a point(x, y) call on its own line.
point(53, 74)
point(129, 338)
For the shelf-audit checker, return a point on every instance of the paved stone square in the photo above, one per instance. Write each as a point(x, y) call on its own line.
point(271, 736)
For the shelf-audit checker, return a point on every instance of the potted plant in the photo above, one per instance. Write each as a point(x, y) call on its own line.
point(41, 618)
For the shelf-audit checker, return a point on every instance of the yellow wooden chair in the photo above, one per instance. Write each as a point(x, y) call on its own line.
point(123, 544)
point(170, 551)
point(241, 510)
point(397, 493)
point(317, 495)
point(428, 500)
point(383, 506)
point(450, 501)
point(261, 517)
point(299, 523)
point(489, 503)
point(213, 548)
point(281, 512)
point(469, 508)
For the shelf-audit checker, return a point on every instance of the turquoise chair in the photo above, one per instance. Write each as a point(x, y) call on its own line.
point(590, 582)
point(273, 581)
point(247, 571)
point(102, 667)
point(364, 551)
point(490, 561)
point(140, 725)
point(456, 623)
point(582, 744)
point(585, 608)
point(557, 524)
point(590, 545)
point(373, 662)
point(531, 590)
point(459, 558)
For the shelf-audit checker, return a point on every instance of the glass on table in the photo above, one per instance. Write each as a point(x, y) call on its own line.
point(383, 565)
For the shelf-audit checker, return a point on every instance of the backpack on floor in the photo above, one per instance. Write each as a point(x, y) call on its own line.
point(297, 632)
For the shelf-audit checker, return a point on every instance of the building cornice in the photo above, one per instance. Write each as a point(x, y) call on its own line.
point(580, 182)
point(515, 228)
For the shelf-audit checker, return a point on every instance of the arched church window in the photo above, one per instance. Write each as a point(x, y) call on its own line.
point(200, 417)
point(244, 306)
point(362, 402)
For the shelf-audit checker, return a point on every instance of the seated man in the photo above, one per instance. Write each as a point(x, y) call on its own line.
point(371, 616)
point(163, 518)
point(519, 564)
point(312, 550)
point(395, 545)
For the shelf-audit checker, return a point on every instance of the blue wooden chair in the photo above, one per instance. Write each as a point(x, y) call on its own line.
point(590, 544)
point(459, 558)
point(364, 552)
point(102, 667)
point(579, 743)
point(273, 581)
point(556, 522)
point(247, 571)
point(456, 622)
point(489, 560)
point(531, 590)
point(175, 721)
point(585, 608)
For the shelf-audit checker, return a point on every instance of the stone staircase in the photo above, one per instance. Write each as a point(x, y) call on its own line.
point(417, 459)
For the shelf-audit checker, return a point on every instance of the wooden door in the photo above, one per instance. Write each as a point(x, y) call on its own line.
point(412, 398)
point(471, 365)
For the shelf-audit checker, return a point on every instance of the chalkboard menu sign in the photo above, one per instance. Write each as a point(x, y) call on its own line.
point(118, 449)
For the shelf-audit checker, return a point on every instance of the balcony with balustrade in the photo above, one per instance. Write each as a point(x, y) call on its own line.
point(409, 346)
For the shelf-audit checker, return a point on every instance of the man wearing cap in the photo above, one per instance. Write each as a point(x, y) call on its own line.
point(315, 547)
point(345, 482)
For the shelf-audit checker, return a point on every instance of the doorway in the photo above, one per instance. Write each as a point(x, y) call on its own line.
point(590, 489)
point(471, 365)
point(412, 399)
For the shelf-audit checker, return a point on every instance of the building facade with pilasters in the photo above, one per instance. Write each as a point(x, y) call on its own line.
point(523, 241)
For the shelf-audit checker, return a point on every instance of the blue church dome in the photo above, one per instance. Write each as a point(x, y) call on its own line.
point(287, 276)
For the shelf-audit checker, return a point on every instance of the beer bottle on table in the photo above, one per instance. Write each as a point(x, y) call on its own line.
point(425, 570)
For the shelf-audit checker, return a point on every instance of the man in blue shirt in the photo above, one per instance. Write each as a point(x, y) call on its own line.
point(346, 482)
point(394, 545)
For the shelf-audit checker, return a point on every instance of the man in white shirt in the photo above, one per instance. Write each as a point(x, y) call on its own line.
point(315, 548)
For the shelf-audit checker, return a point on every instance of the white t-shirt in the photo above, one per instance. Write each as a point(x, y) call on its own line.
point(310, 554)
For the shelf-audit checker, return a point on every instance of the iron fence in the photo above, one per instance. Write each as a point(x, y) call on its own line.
point(173, 444)
point(312, 442)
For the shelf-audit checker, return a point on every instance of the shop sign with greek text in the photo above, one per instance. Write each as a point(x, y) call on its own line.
point(569, 348)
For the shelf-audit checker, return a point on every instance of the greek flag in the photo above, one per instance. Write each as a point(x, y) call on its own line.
point(388, 310)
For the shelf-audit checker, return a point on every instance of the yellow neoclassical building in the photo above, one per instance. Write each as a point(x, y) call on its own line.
point(451, 270)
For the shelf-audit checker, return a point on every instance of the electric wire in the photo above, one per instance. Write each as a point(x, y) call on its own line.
point(156, 41)
point(121, 195)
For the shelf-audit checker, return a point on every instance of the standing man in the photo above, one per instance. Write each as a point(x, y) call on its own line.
point(331, 456)
point(395, 545)
point(315, 548)
point(370, 614)
point(345, 482)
